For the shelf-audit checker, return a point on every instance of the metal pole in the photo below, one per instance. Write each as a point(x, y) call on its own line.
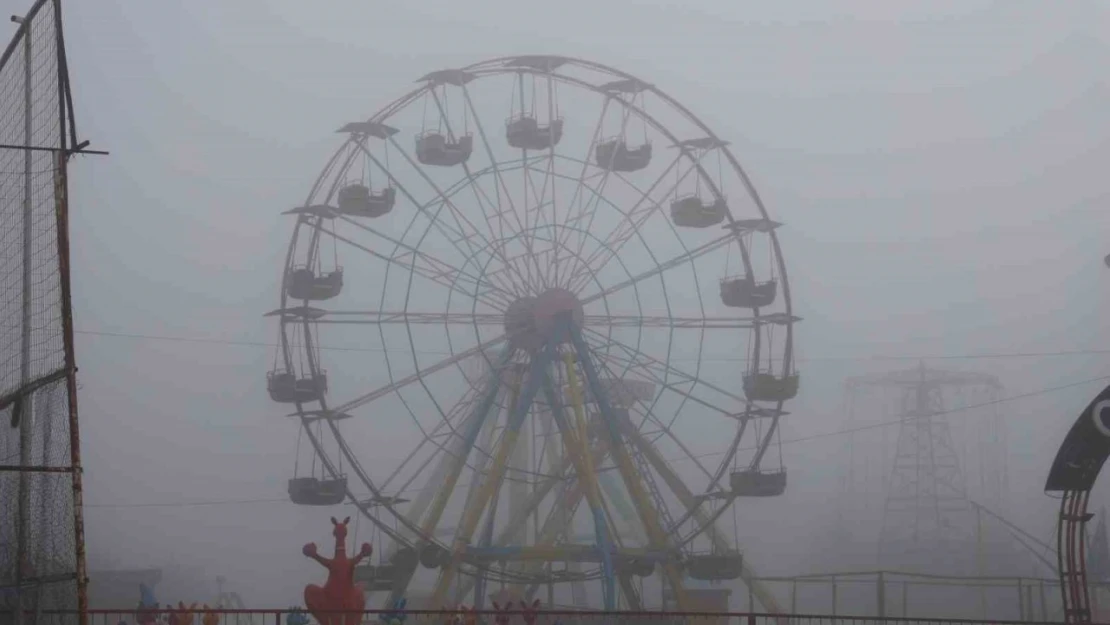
point(76, 480)
point(25, 404)
point(880, 590)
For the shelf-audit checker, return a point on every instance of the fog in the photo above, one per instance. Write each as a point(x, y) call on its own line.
point(939, 168)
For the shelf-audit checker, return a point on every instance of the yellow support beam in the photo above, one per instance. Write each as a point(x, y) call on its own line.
point(687, 499)
point(657, 538)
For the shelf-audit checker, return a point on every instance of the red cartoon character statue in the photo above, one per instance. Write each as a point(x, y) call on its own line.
point(339, 601)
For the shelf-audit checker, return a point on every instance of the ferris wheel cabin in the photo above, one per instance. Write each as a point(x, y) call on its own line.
point(640, 567)
point(376, 578)
point(384, 577)
point(756, 483)
point(763, 386)
point(433, 148)
point(691, 212)
point(357, 200)
point(523, 132)
point(715, 567)
point(286, 388)
point(312, 491)
point(744, 292)
point(615, 155)
point(304, 283)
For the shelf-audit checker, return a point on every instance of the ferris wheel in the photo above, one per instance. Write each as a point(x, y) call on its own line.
point(545, 339)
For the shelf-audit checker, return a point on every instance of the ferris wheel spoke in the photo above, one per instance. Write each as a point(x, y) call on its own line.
point(677, 261)
point(522, 227)
point(541, 221)
point(439, 272)
point(632, 220)
point(607, 171)
point(636, 359)
point(457, 214)
point(432, 268)
point(667, 429)
point(454, 235)
point(680, 490)
point(393, 387)
point(443, 429)
point(408, 317)
point(497, 239)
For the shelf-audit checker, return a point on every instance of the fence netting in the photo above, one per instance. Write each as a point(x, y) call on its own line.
point(36, 506)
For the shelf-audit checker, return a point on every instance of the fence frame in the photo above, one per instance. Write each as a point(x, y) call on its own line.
point(68, 146)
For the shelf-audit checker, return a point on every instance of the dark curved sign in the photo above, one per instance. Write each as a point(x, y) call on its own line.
point(1084, 450)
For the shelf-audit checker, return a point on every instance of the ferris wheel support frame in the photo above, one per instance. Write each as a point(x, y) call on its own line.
point(538, 377)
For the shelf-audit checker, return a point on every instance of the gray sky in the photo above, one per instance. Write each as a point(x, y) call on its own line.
point(937, 166)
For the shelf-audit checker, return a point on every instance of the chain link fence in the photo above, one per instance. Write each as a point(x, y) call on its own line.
point(39, 532)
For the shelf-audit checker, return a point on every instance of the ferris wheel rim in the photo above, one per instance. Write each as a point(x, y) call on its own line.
point(398, 105)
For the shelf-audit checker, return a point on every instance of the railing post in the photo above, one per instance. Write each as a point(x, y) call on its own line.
point(751, 619)
point(277, 617)
point(880, 589)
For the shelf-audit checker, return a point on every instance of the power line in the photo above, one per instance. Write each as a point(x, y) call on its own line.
point(876, 358)
point(185, 504)
point(801, 439)
point(883, 424)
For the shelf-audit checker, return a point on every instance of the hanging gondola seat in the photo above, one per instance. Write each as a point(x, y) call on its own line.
point(357, 200)
point(433, 556)
point(631, 565)
point(433, 148)
point(525, 133)
point(761, 386)
point(311, 491)
point(285, 387)
point(615, 155)
point(715, 567)
point(303, 283)
point(742, 292)
point(376, 577)
point(756, 483)
point(691, 212)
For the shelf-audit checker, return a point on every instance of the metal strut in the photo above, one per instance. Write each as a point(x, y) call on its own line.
point(656, 534)
point(1071, 553)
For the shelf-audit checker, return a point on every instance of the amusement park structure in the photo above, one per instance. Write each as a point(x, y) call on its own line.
point(1072, 476)
point(559, 398)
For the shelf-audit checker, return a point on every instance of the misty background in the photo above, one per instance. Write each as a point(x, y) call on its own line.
point(939, 168)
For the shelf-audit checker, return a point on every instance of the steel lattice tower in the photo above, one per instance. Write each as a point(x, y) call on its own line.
point(927, 517)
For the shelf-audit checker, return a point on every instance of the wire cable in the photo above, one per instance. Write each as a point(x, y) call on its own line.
point(801, 439)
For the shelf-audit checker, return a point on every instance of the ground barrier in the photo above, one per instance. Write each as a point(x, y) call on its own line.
point(290, 616)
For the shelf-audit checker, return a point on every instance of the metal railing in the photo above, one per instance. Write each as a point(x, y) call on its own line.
point(294, 616)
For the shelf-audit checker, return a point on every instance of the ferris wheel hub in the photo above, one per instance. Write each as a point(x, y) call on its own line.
point(530, 320)
point(551, 304)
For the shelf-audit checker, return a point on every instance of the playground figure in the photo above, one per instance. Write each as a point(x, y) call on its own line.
point(296, 617)
point(396, 615)
point(339, 601)
point(531, 612)
point(464, 616)
point(147, 612)
point(184, 615)
point(503, 616)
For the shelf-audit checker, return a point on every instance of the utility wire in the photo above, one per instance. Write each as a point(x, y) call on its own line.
point(877, 358)
point(801, 439)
